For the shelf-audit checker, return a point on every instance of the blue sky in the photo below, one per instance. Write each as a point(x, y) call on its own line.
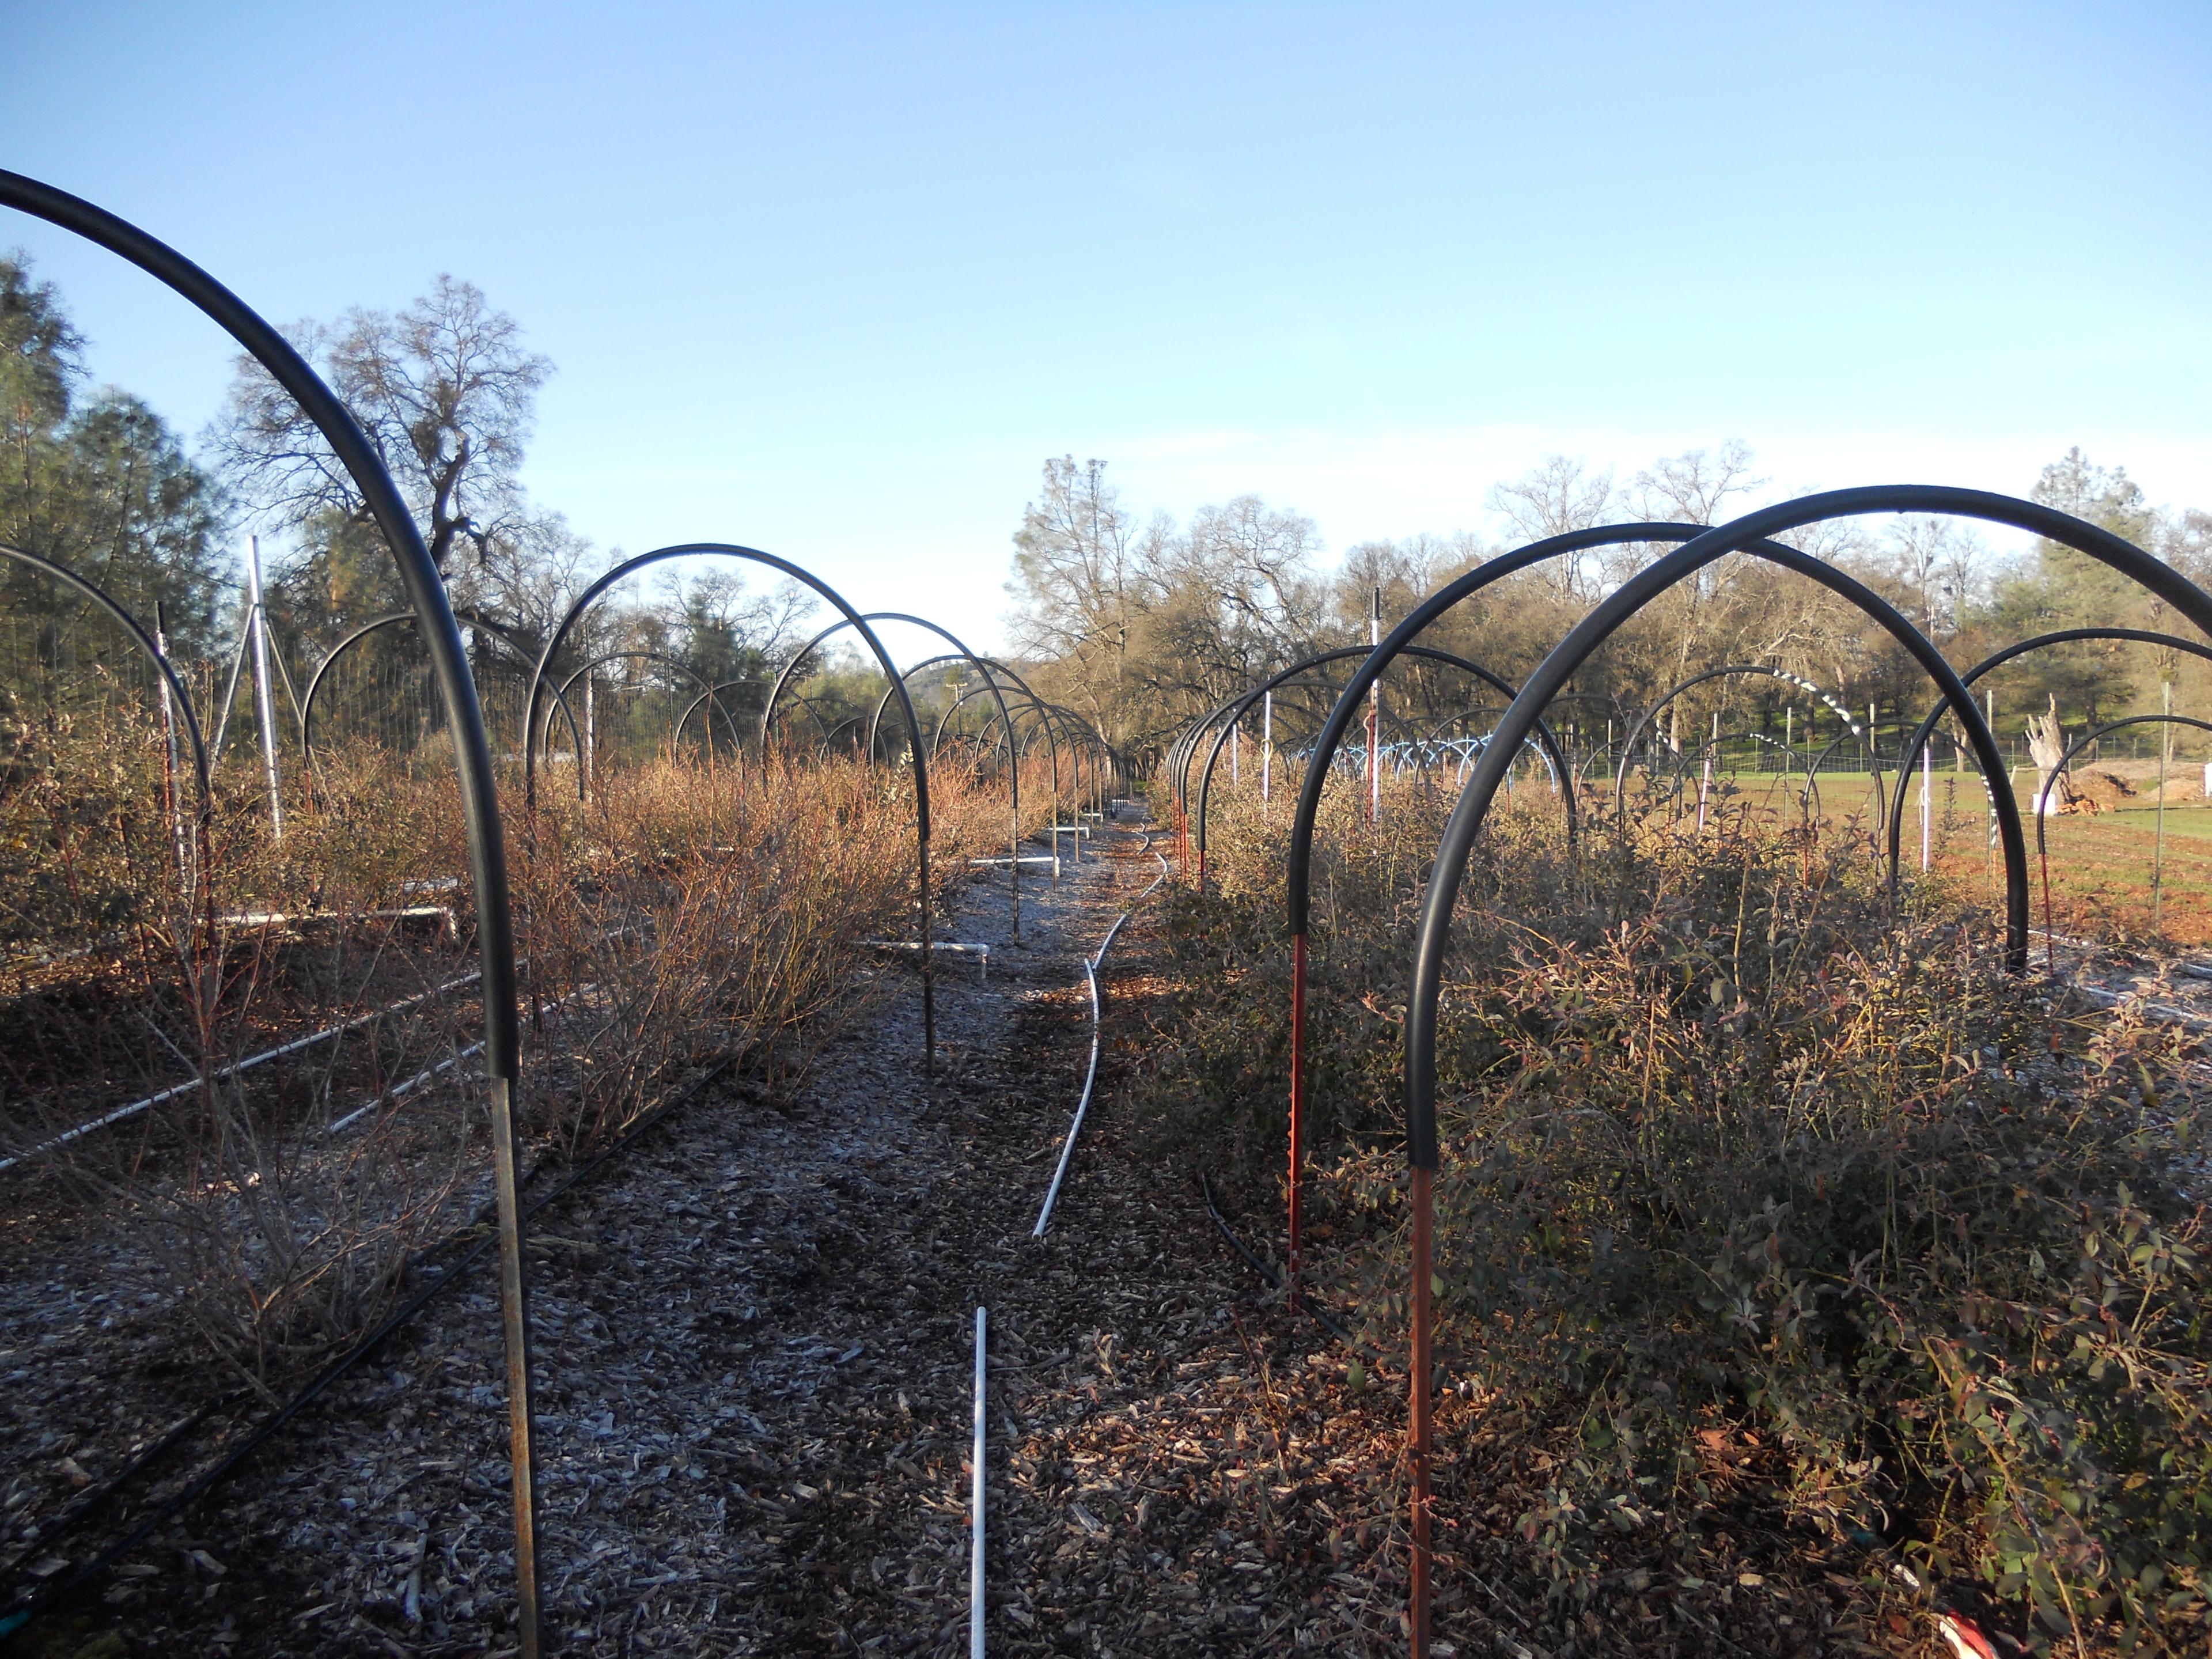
point(833, 281)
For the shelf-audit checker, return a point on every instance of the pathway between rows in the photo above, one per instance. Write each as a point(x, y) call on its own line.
point(755, 1352)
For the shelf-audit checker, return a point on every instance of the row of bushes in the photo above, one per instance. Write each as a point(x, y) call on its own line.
point(1730, 1144)
point(677, 917)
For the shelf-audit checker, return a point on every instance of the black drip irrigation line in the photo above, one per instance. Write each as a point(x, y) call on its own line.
point(1305, 1303)
point(34, 1604)
point(105, 1494)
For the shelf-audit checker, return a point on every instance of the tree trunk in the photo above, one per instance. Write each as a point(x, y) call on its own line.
point(2046, 744)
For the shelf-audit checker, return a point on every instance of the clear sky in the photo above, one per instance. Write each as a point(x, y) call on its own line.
point(833, 281)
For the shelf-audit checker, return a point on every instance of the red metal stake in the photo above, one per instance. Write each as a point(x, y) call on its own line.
point(1418, 1607)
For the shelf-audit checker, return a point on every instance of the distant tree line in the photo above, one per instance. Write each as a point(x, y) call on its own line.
point(446, 393)
point(1144, 626)
point(1138, 623)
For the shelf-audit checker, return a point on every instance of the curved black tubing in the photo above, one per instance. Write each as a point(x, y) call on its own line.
point(1643, 721)
point(944, 721)
point(1545, 741)
point(776, 692)
point(473, 619)
point(138, 636)
point(1005, 722)
point(1299, 863)
point(898, 682)
point(2084, 741)
point(1745, 534)
point(426, 592)
point(714, 691)
point(1997, 660)
point(754, 555)
point(706, 694)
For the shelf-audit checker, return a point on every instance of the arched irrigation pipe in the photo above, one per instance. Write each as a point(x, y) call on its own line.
point(938, 732)
point(203, 774)
point(1242, 705)
point(706, 694)
point(1299, 866)
point(473, 619)
point(1086, 746)
point(2043, 802)
point(713, 692)
point(1230, 711)
point(1747, 533)
point(1435, 732)
point(1013, 758)
point(1997, 660)
point(898, 684)
point(1707, 748)
point(1645, 720)
point(754, 555)
point(852, 723)
point(1869, 737)
point(420, 576)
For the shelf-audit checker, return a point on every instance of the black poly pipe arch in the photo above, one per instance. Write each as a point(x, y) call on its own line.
point(1299, 859)
point(473, 619)
point(426, 592)
point(1436, 729)
point(1047, 728)
point(1747, 533)
point(1085, 740)
point(1005, 722)
point(682, 667)
point(987, 687)
point(1997, 660)
point(982, 665)
point(944, 721)
point(1545, 742)
point(714, 690)
point(1184, 753)
point(1628, 743)
point(898, 684)
point(202, 773)
point(2066, 760)
point(754, 555)
point(1701, 547)
point(1808, 794)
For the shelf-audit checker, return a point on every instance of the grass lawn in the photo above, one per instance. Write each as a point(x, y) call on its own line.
point(2100, 867)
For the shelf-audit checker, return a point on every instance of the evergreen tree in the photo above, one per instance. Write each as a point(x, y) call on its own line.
point(100, 484)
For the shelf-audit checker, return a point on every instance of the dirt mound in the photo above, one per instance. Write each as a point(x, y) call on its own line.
point(2107, 789)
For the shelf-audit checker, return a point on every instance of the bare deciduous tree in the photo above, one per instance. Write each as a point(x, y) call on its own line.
point(1553, 498)
point(2046, 744)
point(444, 390)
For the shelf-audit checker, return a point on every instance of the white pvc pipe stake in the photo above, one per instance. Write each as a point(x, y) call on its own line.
point(264, 708)
point(1091, 965)
point(1926, 788)
point(976, 1508)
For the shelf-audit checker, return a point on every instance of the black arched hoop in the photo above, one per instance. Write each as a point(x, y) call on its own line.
point(202, 774)
point(473, 619)
point(426, 592)
point(1997, 660)
point(1745, 534)
point(1236, 710)
point(753, 555)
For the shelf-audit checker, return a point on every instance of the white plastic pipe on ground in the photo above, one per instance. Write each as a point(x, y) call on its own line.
point(976, 1508)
